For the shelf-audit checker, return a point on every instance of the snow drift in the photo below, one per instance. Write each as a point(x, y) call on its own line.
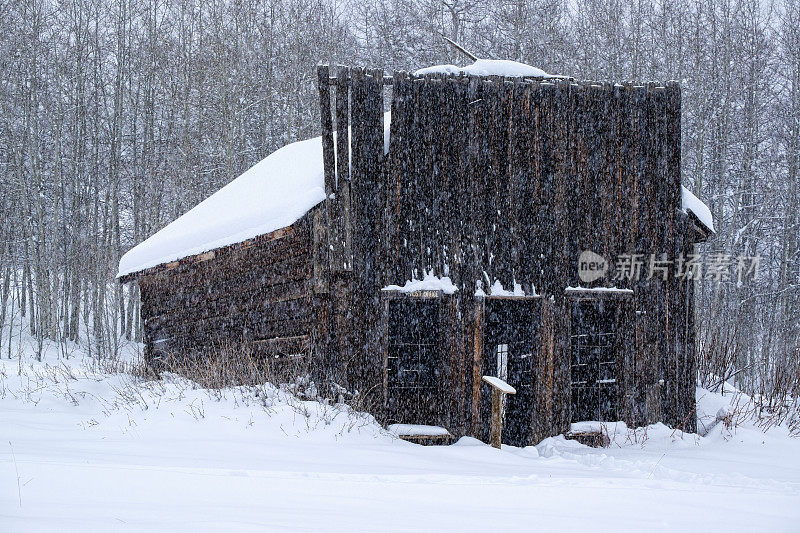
point(88, 451)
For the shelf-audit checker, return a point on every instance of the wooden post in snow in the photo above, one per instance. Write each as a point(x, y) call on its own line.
point(499, 387)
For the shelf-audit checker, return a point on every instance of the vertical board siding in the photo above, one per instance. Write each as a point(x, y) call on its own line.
point(500, 179)
point(486, 179)
point(367, 200)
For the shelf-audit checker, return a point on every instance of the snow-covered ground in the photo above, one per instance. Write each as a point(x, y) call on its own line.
point(85, 451)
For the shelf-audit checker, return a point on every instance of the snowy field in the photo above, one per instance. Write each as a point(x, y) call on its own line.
point(82, 450)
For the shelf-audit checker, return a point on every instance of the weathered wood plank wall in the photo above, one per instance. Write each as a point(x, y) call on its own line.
point(552, 168)
point(494, 180)
point(367, 193)
point(485, 180)
point(256, 291)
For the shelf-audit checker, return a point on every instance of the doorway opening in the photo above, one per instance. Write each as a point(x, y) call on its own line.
point(413, 361)
point(510, 330)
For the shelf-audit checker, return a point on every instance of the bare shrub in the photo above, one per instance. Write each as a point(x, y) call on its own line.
point(717, 355)
point(771, 394)
point(237, 369)
point(228, 364)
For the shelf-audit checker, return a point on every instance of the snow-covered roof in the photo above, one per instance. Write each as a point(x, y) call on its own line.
point(488, 67)
point(283, 187)
point(273, 194)
point(693, 204)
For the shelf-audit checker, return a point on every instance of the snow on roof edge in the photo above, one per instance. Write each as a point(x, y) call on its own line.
point(691, 203)
point(598, 289)
point(488, 67)
point(429, 282)
point(272, 194)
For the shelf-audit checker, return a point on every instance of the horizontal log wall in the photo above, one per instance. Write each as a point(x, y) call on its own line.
point(258, 294)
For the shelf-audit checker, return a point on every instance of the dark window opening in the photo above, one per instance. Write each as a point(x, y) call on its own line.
point(594, 363)
point(414, 362)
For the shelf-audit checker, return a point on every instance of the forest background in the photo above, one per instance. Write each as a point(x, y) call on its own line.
point(117, 116)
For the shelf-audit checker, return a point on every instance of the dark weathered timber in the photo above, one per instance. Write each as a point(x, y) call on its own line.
point(341, 225)
point(610, 144)
point(323, 239)
point(366, 193)
point(328, 151)
point(193, 262)
point(251, 291)
point(462, 251)
point(485, 180)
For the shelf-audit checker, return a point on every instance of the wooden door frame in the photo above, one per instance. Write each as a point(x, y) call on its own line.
point(479, 338)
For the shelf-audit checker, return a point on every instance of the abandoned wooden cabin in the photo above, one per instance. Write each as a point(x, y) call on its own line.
point(404, 256)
